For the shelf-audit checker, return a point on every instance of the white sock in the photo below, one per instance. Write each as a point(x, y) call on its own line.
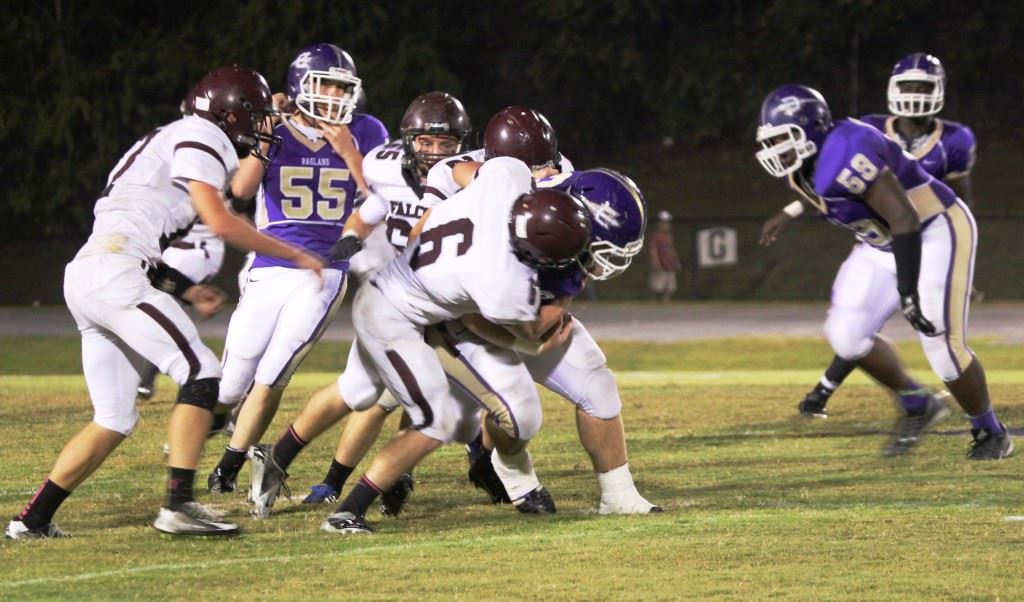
point(825, 382)
point(516, 473)
point(616, 480)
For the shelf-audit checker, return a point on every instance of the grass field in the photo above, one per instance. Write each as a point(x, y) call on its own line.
point(760, 503)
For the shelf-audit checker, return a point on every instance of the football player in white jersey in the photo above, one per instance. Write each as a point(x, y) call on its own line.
point(577, 370)
point(303, 195)
point(478, 253)
point(435, 126)
point(520, 420)
point(155, 193)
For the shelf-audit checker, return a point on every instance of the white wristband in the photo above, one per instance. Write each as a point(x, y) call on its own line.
point(794, 209)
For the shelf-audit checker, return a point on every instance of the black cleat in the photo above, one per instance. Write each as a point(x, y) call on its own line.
point(538, 501)
point(813, 405)
point(990, 446)
point(911, 427)
point(392, 500)
point(218, 482)
point(482, 474)
point(346, 523)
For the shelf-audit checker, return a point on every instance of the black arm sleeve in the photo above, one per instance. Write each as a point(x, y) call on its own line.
point(906, 248)
point(170, 280)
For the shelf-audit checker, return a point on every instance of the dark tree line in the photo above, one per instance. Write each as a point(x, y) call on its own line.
point(81, 80)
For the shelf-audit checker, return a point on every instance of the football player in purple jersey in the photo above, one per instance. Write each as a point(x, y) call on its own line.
point(945, 149)
point(125, 301)
point(304, 195)
point(918, 242)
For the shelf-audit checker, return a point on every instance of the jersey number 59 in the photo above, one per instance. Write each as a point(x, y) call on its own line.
point(866, 172)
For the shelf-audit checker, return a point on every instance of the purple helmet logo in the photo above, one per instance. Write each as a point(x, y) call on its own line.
point(794, 122)
point(619, 215)
point(917, 86)
point(322, 83)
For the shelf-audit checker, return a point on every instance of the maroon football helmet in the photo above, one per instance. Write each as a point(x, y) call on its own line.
point(523, 133)
point(238, 100)
point(549, 228)
point(437, 114)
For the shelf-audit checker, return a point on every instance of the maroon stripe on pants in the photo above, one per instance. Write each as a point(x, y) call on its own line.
point(176, 335)
point(409, 380)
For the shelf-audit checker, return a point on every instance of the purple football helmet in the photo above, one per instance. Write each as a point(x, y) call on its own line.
point(314, 68)
point(619, 214)
point(919, 68)
point(794, 121)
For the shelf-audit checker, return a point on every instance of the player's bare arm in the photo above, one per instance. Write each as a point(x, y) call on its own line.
point(774, 225)
point(213, 211)
point(963, 187)
point(414, 234)
point(464, 172)
point(887, 197)
point(248, 177)
point(206, 299)
point(341, 140)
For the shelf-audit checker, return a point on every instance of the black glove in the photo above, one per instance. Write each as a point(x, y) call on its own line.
point(911, 305)
point(346, 247)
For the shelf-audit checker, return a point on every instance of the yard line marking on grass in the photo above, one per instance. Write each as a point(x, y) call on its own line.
point(1013, 518)
point(532, 536)
point(767, 377)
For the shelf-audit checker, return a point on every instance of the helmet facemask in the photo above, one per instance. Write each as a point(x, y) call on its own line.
point(419, 162)
point(784, 148)
point(316, 103)
point(916, 104)
point(603, 259)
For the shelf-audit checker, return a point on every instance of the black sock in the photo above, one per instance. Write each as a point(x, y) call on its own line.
point(179, 486)
point(231, 462)
point(360, 498)
point(839, 369)
point(287, 447)
point(337, 474)
point(44, 504)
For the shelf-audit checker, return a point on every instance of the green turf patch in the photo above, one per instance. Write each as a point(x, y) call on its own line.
point(760, 502)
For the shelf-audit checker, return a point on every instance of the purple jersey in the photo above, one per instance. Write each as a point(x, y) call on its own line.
point(945, 152)
point(307, 191)
point(851, 157)
point(560, 282)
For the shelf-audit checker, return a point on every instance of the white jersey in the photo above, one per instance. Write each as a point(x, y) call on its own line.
point(146, 204)
point(463, 261)
point(441, 183)
point(398, 196)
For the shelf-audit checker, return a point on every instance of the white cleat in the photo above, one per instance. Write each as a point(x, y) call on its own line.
point(193, 518)
point(17, 530)
point(267, 480)
point(630, 502)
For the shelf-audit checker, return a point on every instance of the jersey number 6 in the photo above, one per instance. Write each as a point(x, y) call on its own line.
point(435, 236)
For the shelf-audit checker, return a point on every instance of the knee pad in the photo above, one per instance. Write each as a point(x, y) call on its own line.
point(119, 424)
point(946, 360)
point(600, 395)
point(848, 341)
point(387, 402)
point(201, 393)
